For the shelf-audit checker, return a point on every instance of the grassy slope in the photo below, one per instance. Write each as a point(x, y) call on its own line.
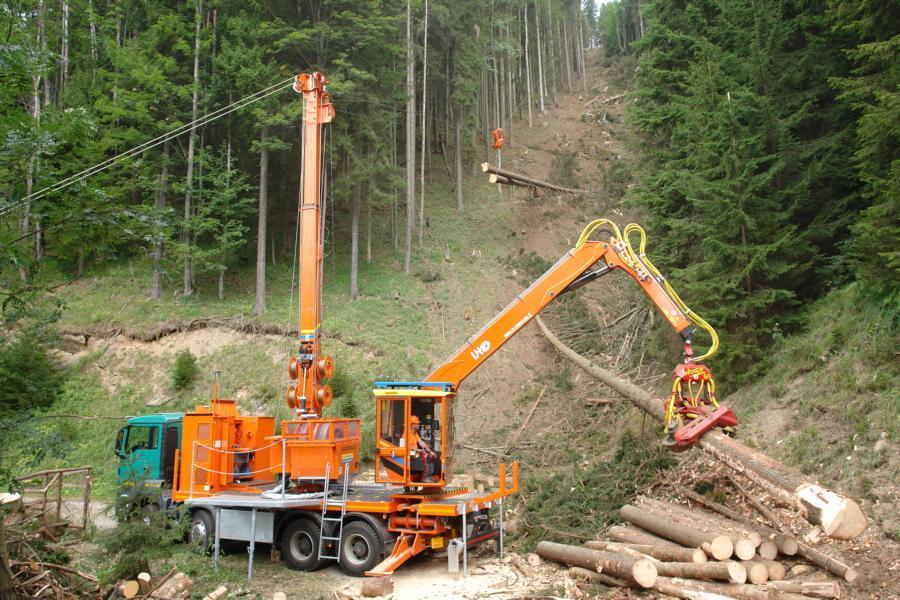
point(396, 329)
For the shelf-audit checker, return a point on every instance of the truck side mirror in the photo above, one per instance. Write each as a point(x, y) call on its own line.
point(120, 439)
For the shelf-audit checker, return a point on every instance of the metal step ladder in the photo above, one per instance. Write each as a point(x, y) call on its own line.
point(326, 520)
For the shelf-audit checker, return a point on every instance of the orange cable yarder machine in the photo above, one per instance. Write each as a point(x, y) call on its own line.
point(240, 481)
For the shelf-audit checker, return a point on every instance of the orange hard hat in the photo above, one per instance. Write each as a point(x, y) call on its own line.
point(414, 420)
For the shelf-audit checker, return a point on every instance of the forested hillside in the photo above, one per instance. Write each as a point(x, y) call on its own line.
point(150, 158)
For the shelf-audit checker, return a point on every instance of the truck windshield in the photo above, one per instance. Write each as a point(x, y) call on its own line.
point(142, 437)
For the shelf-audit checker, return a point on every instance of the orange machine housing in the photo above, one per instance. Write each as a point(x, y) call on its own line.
point(316, 447)
point(224, 451)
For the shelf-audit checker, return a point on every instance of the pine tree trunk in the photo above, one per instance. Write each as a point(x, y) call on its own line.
point(64, 52)
point(568, 51)
point(410, 137)
point(260, 306)
point(222, 281)
point(424, 128)
point(156, 286)
point(368, 233)
point(354, 241)
point(581, 53)
point(92, 25)
point(188, 288)
point(528, 70)
point(42, 44)
point(457, 151)
point(540, 65)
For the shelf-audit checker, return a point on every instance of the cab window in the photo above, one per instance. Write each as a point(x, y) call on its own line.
point(392, 421)
point(142, 437)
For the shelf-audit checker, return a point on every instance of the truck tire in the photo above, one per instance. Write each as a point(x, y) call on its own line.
point(361, 548)
point(202, 531)
point(300, 545)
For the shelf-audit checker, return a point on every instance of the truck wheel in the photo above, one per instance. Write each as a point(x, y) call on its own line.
point(361, 548)
point(300, 545)
point(202, 530)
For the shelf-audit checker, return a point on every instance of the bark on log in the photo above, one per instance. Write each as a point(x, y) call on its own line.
point(745, 540)
point(144, 582)
point(377, 586)
point(685, 594)
point(494, 178)
point(728, 590)
point(837, 515)
point(720, 547)
point(595, 577)
point(638, 570)
point(786, 544)
point(829, 563)
point(217, 594)
point(730, 571)
point(487, 168)
point(665, 553)
point(632, 535)
point(819, 589)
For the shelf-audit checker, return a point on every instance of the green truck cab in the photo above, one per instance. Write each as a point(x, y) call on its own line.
point(146, 449)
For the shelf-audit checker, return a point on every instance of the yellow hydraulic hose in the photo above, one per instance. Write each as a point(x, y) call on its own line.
point(640, 258)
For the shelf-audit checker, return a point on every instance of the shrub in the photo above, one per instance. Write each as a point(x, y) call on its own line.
point(184, 371)
point(28, 377)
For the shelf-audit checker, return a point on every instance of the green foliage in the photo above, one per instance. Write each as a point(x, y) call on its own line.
point(28, 377)
point(749, 176)
point(563, 502)
point(184, 370)
point(129, 548)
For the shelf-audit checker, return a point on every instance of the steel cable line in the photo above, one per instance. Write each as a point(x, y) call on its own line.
point(205, 119)
point(102, 166)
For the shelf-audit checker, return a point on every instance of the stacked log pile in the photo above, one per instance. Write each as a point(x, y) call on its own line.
point(693, 547)
point(173, 585)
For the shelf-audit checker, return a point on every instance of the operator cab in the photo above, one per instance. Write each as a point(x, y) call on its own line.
point(414, 433)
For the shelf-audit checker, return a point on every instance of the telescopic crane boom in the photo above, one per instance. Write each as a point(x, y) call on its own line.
point(691, 409)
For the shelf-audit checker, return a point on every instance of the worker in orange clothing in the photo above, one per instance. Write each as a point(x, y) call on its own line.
point(417, 443)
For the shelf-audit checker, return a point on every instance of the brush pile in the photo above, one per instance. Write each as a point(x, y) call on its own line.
point(35, 557)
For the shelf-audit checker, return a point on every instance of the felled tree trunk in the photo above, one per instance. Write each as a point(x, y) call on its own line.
point(664, 553)
point(637, 570)
point(719, 546)
point(837, 515)
point(487, 168)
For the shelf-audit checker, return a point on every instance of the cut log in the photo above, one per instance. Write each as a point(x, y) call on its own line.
point(130, 589)
point(178, 586)
point(144, 582)
point(377, 586)
point(756, 571)
point(837, 515)
point(638, 570)
point(775, 568)
point(727, 590)
point(718, 546)
point(595, 577)
point(633, 535)
point(829, 563)
point(785, 544)
point(488, 168)
point(686, 594)
point(819, 589)
point(730, 571)
point(768, 550)
point(217, 594)
point(697, 522)
point(279, 596)
point(494, 178)
point(666, 553)
point(736, 530)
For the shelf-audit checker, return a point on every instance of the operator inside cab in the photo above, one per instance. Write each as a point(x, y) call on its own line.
point(417, 443)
